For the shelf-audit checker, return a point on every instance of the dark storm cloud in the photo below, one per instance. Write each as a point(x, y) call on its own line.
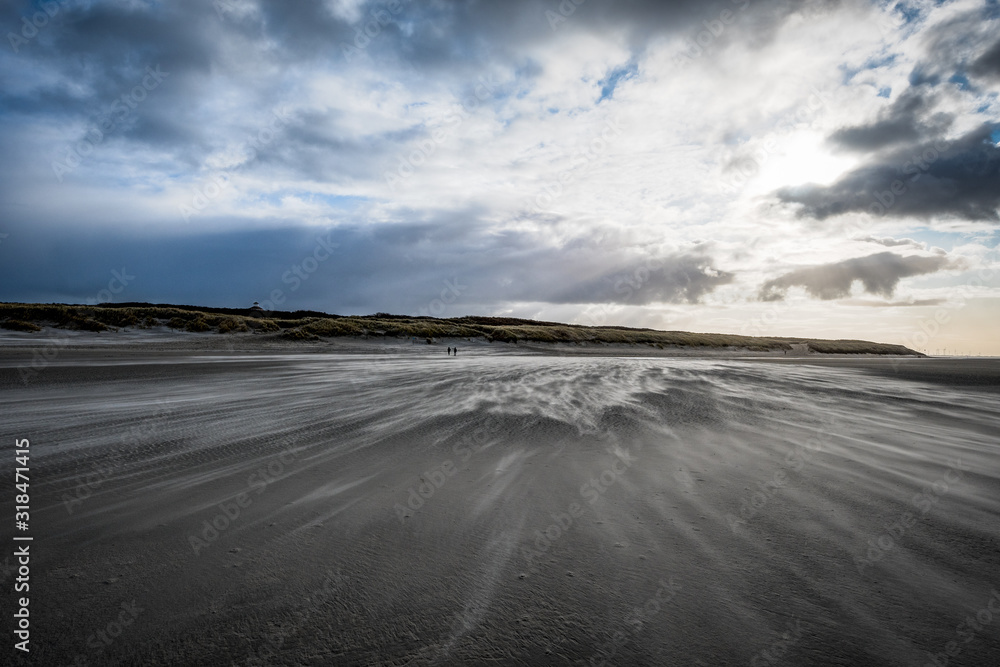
point(101, 48)
point(924, 180)
point(184, 34)
point(909, 118)
point(461, 37)
point(301, 30)
point(677, 278)
point(966, 43)
point(879, 274)
point(311, 146)
point(89, 55)
point(911, 170)
point(987, 65)
point(401, 268)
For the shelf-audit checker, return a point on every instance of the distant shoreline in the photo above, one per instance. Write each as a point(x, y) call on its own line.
point(169, 342)
point(254, 328)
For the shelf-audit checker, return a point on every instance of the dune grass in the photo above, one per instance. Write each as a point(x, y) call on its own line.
point(311, 326)
point(19, 325)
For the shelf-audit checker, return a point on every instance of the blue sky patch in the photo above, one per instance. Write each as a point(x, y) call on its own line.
point(616, 76)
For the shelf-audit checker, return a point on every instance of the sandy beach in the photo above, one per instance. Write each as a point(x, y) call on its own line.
point(368, 503)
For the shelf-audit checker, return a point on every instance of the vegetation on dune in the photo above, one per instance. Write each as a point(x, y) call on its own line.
point(297, 334)
point(87, 324)
point(263, 326)
point(331, 328)
point(232, 325)
point(18, 325)
point(198, 325)
point(855, 347)
point(312, 326)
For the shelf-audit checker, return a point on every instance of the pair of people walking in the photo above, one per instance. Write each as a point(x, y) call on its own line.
point(453, 352)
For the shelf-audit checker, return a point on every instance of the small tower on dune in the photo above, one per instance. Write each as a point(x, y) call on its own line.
point(256, 310)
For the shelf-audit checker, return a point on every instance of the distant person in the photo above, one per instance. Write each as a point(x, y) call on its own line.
point(456, 352)
point(449, 351)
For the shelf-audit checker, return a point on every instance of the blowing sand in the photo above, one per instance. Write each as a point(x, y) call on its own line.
point(198, 506)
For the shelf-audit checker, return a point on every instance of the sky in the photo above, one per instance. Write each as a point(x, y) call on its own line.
point(827, 168)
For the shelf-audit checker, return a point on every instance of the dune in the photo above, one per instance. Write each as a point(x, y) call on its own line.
point(61, 321)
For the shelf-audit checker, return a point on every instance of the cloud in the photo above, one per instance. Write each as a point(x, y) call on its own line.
point(889, 242)
point(908, 119)
point(912, 168)
point(987, 65)
point(878, 274)
point(870, 303)
point(924, 180)
point(962, 40)
point(678, 278)
point(396, 268)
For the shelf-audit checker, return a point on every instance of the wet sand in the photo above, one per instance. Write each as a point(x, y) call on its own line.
point(292, 507)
